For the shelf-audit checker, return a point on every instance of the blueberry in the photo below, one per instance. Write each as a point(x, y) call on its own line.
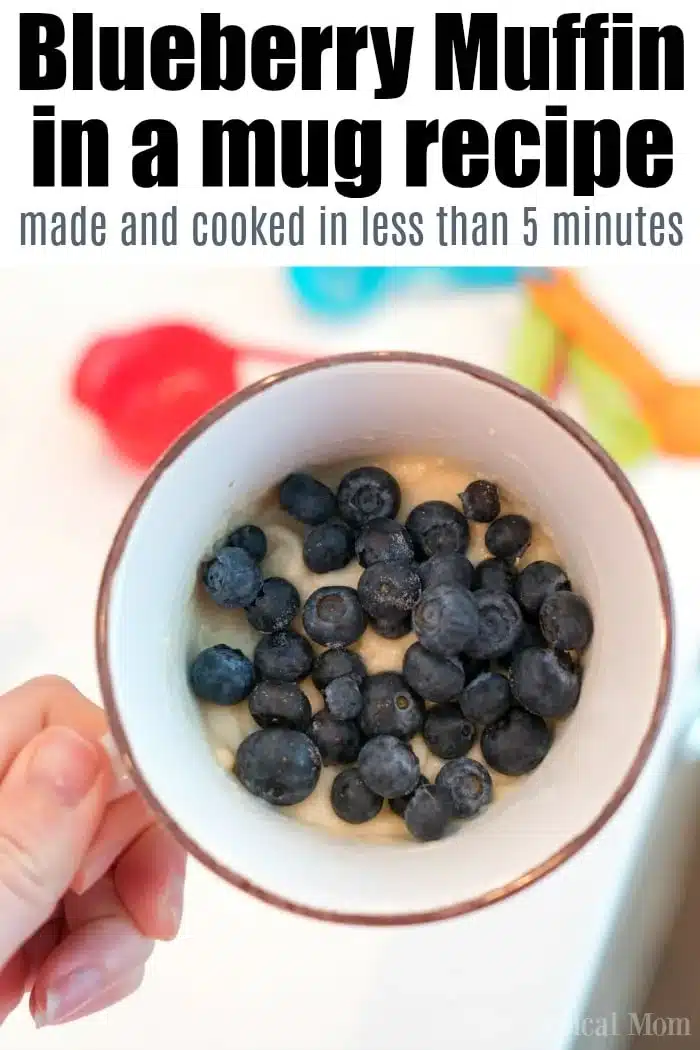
point(329, 546)
point(546, 683)
point(493, 574)
point(388, 767)
point(280, 704)
point(307, 500)
point(333, 616)
point(368, 493)
point(516, 743)
point(383, 539)
point(536, 582)
point(251, 539)
point(391, 708)
point(446, 568)
point(437, 527)
point(344, 698)
point(447, 732)
point(389, 590)
point(222, 675)
point(465, 786)
point(281, 766)
point(530, 635)
point(500, 625)
point(427, 816)
point(566, 621)
point(275, 607)
point(435, 678)
point(509, 536)
point(398, 805)
point(338, 742)
point(352, 800)
point(392, 629)
point(232, 578)
point(446, 619)
point(486, 698)
point(481, 501)
point(336, 663)
point(284, 656)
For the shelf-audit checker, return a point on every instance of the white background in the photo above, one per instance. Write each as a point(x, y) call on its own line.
point(123, 110)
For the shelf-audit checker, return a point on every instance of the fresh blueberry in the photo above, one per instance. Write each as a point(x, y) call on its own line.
point(281, 766)
point(391, 708)
point(338, 742)
point(398, 805)
point(465, 786)
point(427, 816)
point(344, 698)
point(516, 743)
point(486, 698)
point(392, 629)
point(307, 500)
point(447, 732)
point(437, 527)
point(275, 607)
point(333, 616)
point(536, 582)
point(546, 683)
point(531, 635)
point(508, 536)
point(352, 800)
point(493, 574)
point(329, 546)
point(280, 704)
point(446, 568)
point(284, 656)
point(222, 675)
point(383, 539)
point(435, 678)
point(500, 625)
point(232, 578)
point(251, 539)
point(446, 619)
point(481, 501)
point(389, 590)
point(566, 620)
point(337, 663)
point(368, 493)
point(388, 767)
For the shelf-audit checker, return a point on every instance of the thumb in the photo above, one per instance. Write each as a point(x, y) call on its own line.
point(51, 803)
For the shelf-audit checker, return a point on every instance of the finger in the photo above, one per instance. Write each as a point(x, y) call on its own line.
point(43, 702)
point(108, 996)
point(13, 982)
point(102, 950)
point(51, 803)
point(150, 879)
point(123, 822)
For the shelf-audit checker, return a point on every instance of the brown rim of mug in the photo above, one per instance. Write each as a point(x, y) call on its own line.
point(528, 878)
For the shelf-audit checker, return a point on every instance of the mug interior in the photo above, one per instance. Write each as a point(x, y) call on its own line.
point(369, 407)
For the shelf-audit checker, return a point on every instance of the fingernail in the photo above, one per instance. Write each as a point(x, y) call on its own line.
point(64, 765)
point(171, 903)
point(70, 994)
point(123, 783)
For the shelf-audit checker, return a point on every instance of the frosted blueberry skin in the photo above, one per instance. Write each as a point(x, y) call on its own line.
point(284, 656)
point(545, 682)
point(280, 766)
point(390, 707)
point(536, 582)
point(389, 590)
point(329, 546)
point(517, 743)
point(368, 493)
point(280, 704)
point(336, 663)
point(465, 786)
point(566, 621)
point(446, 619)
point(388, 767)
point(435, 678)
point(252, 539)
point(383, 540)
point(232, 578)
point(447, 733)
point(446, 568)
point(426, 815)
point(508, 536)
point(222, 675)
point(437, 527)
point(306, 499)
point(338, 742)
point(352, 800)
point(500, 625)
point(333, 616)
point(481, 501)
point(275, 606)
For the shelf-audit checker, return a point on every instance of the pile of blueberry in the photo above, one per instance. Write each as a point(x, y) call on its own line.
point(496, 655)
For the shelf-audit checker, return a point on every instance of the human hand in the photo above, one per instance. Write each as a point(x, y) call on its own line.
point(87, 882)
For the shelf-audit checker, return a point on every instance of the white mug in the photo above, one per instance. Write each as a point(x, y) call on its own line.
point(368, 405)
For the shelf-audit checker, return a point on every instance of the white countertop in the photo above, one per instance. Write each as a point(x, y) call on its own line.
point(243, 975)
